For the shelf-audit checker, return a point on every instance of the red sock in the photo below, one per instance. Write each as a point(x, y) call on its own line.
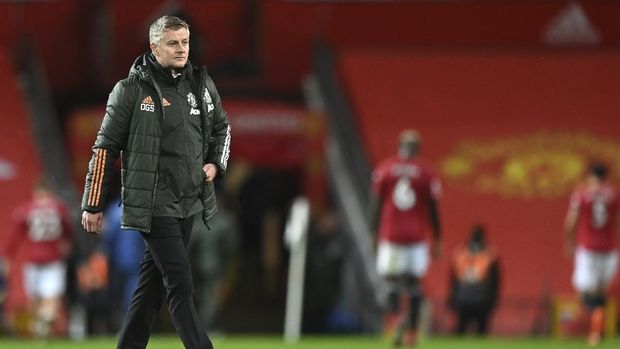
point(597, 320)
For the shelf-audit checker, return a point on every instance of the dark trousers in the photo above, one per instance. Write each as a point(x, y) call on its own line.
point(165, 270)
point(478, 315)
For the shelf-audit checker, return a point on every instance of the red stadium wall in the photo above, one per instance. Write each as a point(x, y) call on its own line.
point(84, 43)
point(222, 27)
point(57, 29)
point(510, 132)
point(290, 29)
point(20, 166)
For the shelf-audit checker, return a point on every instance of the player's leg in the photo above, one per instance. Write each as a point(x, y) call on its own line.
point(392, 303)
point(605, 266)
point(51, 289)
point(415, 298)
point(34, 285)
point(30, 274)
point(46, 316)
point(592, 273)
point(391, 262)
point(418, 260)
point(594, 301)
point(597, 325)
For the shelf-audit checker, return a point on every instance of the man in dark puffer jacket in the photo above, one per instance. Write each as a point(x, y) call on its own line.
point(167, 121)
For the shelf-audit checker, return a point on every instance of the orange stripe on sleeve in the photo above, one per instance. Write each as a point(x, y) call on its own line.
point(94, 176)
point(101, 173)
point(97, 177)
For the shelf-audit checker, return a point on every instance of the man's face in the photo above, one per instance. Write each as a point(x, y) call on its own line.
point(172, 49)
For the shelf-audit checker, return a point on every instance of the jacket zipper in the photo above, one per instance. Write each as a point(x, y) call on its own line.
point(187, 164)
point(163, 117)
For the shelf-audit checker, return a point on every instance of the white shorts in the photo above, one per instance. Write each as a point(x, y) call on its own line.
point(44, 280)
point(594, 270)
point(396, 260)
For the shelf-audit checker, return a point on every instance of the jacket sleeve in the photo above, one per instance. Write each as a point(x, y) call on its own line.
point(111, 139)
point(219, 139)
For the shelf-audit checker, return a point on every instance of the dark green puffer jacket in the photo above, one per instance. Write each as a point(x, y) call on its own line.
point(132, 127)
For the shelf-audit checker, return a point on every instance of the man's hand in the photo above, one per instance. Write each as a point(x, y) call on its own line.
point(210, 171)
point(92, 222)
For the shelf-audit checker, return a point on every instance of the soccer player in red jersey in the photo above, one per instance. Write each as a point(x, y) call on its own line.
point(592, 229)
point(43, 232)
point(406, 194)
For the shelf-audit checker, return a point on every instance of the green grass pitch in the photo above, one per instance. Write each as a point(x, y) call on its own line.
point(359, 342)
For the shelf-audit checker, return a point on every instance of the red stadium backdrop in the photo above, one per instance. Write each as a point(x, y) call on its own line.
point(19, 164)
point(279, 35)
point(510, 133)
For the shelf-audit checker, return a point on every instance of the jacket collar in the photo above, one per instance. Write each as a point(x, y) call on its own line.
point(142, 68)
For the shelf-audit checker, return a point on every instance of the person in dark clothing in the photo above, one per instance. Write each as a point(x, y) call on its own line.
point(474, 282)
point(324, 263)
point(167, 120)
point(213, 255)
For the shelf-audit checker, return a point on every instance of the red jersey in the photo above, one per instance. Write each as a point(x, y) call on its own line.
point(405, 188)
point(40, 228)
point(597, 206)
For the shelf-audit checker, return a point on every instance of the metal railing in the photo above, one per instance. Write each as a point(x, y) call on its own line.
point(349, 174)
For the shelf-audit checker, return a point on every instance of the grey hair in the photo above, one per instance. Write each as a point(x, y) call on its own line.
point(165, 23)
